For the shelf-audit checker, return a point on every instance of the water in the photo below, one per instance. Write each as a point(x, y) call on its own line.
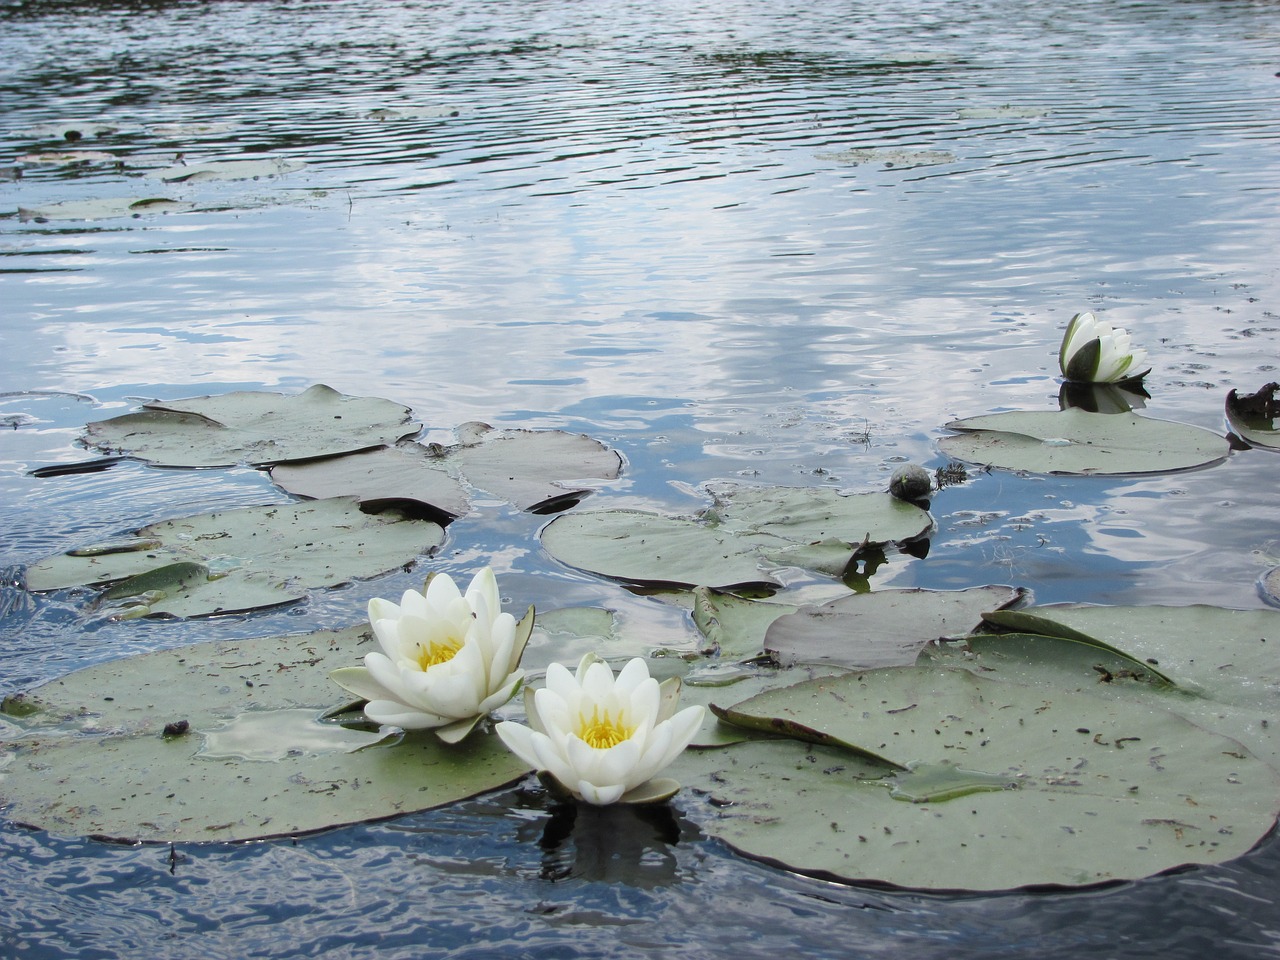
point(753, 241)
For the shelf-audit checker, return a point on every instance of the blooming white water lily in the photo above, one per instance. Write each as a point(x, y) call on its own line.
point(1093, 351)
point(603, 738)
point(447, 658)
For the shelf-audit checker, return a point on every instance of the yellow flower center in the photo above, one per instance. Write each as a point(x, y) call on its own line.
point(438, 651)
point(603, 732)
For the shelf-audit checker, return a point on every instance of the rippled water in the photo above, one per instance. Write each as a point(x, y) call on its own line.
point(776, 241)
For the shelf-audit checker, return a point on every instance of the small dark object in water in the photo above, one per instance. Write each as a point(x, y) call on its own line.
point(177, 728)
point(1262, 404)
point(82, 466)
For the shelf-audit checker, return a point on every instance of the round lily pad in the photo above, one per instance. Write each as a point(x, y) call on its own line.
point(737, 541)
point(240, 559)
point(937, 779)
point(884, 628)
point(534, 469)
point(252, 427)
point(1072, 441)
point(223, 741)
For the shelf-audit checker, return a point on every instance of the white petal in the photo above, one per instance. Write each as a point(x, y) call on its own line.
point(635, 672)
point(644, 703)
point(502, 694)
point(358, 681)
point(380, 609)
point(597, 683)
point(599, 796)
point(384, 673)
point(602, 766)
point(552, 759)
point(441, 591)
point(519, 740)
point(398, 715)
point(553, 715)
point(561, 682)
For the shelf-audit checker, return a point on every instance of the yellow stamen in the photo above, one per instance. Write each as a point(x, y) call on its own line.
point(602, 732)
point(438, 651)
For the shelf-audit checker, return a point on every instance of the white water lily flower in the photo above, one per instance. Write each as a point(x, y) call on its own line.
point(603, 738)
point(447, 658)
point(1093, 351)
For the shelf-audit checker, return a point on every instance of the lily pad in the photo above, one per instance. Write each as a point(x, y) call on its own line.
point(66, 157)
point(884, 628)
point(226, 170)
point(247, 753)
point(979, 785)
point(104, 209)
point(532, 469)
point(241, 559)
point(641, 547)
point(890, 157)
point(252, 427)
point(1073, 441)
point(1223, 662)
point(746, 530)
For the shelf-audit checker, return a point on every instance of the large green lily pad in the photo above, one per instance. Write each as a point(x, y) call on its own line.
point(252, 427)
point(744, 535)
point(1223, 662)
point(240, 559)
point(248, 753)
point(962, 783)
point(535, 470)
point(884, 628)
point(857, 630)
point(1072, 441)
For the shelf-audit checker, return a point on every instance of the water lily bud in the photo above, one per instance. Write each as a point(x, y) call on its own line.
point(910, 482)
point(1093, 351)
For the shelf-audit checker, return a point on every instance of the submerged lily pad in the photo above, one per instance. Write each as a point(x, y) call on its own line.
point(247, 753)
point(252, 427)
point(226, 170)
point(746, 531)
point(1073, 441)
point(66, 157)
point(240, 559)
point(104, 209)
point(961, 783)
point(534, 470)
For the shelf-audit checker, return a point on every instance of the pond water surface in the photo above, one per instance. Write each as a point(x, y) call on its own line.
point(776, 242)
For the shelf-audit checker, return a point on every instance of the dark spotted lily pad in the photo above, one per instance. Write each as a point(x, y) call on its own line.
point(252, 427)
point(534, 469)
point(734, 543)
point(1222, 662)
point(938, 779)
point(1073, 441)
point(223, 741)
point(239, 559)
